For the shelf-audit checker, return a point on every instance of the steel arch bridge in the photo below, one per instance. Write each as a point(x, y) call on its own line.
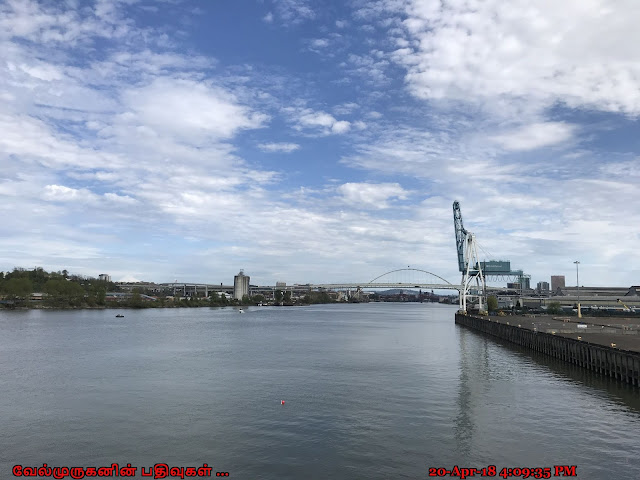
point(433, 281)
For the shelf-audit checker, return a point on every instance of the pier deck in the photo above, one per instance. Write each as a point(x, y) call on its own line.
point(623, 332)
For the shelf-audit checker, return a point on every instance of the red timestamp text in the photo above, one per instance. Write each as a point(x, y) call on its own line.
point(157, 471)
point(506, 472)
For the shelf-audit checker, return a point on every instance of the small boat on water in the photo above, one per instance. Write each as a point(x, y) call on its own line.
point(240, 310)
point(119, 315)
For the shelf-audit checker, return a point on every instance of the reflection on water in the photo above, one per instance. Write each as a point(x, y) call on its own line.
point(463, 426)
point(627, 395)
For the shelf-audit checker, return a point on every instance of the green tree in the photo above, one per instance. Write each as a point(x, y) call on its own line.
point(62, 293)
point(286, 300)
point(492, 303)
point(554, 308)
point(214, 298)
point(258, 298)
point(100, 296)
point(38, 278)
point(278, 297)
point(136, 299)
point(18, 287)
point(91, 300)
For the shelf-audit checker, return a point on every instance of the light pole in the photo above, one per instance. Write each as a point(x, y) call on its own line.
point(578, 285)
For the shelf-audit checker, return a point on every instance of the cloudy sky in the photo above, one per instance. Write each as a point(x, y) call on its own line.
point(318, 141)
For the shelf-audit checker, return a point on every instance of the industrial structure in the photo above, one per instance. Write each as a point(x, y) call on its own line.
point(468, 263)
point(500, 270)
point(480, 272)
point(240, 285)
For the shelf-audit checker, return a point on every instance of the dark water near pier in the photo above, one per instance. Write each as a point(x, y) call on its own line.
point(372, 391)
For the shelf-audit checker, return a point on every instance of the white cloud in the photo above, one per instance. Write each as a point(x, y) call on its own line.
point(535, 136)
point(189, 109)
point(82, 197)
point(33, 141)
point(278, 147)
point(316, 119)
point(525, 51)
point(374, 195)
point(345, 108)
point(372, 66)
point(318, 122)
point(51, 24)
point(268, 18)
point(294, 11)
point(319, 43)
point(42, 71)
point(341, 127)
point(120, 199)
point(60, 193)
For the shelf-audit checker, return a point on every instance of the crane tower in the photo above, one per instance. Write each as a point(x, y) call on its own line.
point(468, 263)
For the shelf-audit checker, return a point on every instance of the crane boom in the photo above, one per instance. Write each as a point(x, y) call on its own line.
point(461, 236)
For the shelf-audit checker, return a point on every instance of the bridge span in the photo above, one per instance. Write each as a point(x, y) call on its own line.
point(422, 279)
point(372, 286)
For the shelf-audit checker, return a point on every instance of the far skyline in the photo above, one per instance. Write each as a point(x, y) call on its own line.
point(317, 141)
point(362, 282)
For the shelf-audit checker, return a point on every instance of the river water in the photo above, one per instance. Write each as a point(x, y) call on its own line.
point(372, 391)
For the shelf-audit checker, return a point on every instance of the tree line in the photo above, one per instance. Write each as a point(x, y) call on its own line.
point(64, 290)
point(60, 288)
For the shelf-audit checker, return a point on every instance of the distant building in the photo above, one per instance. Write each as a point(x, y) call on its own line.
point(240, 285)
point(281, 284)
point(543, 288)
point(103, 277)
point(557, 281)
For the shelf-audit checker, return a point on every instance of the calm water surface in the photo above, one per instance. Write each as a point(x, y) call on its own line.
point(372, 391)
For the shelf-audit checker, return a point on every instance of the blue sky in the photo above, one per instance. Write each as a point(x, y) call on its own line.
point(318, 141)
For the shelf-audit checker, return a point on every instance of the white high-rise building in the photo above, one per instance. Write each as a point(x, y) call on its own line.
point(103, 277)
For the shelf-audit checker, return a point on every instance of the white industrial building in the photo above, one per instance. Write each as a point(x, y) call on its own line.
point(240, 285)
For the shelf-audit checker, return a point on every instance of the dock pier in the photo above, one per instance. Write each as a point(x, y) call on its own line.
point(611, 349)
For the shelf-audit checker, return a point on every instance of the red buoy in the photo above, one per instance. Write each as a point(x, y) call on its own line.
point(281, 402)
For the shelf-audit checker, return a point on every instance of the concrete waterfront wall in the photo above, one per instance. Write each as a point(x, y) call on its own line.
point(619, 364)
